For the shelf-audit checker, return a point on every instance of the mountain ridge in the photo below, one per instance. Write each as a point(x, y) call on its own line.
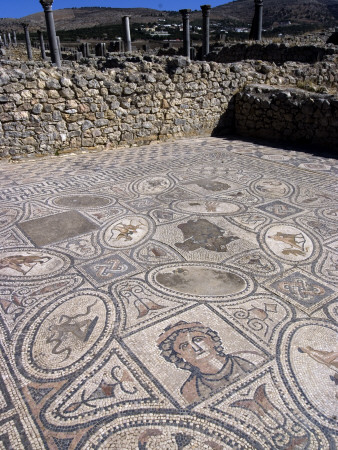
point(318, 12)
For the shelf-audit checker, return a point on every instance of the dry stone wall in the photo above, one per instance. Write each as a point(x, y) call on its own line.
point(287, 115)
point(128, 101)
point(273, 52)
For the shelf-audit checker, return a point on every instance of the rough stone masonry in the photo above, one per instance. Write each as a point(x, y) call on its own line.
point(134, 100)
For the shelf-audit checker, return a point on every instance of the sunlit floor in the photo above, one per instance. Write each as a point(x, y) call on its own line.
point(181, 295)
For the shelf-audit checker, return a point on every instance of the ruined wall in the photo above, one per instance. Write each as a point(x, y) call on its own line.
point(287, 114)
point(46, 111)
point(273, 52)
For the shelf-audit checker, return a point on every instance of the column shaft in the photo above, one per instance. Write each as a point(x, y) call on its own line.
point(186, 32)
point(28, 42)
point(42, 45)
point(53, 45)
point(205, 30)
point(126, 34)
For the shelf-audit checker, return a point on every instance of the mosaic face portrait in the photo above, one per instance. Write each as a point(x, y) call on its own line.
point(198, 349)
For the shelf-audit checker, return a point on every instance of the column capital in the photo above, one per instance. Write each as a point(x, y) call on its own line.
point(46, 4)
point(259, 2)
point(205, 8)
point(125, 17)
point(24, 25)
point(185, 12)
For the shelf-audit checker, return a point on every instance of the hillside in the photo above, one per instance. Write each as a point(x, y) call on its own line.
point(323, 12)
point(298, 12)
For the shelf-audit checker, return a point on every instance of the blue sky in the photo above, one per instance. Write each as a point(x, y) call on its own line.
point(20, 8)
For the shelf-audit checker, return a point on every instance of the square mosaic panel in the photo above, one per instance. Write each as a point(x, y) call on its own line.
point(58, 227)
point(143, 204)
point(279, 209)
point(302, 290)
point(110, 268)
point(166, 353)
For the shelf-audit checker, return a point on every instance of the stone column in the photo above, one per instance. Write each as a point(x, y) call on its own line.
point(42, 45)
point(53, 46)
point(59, 46)
point(5, 39)
point(205, 30)
point(86, 49)
point(14, 37)
point(186, 31)
point(257, 23)
point(259, 8)
point(9, 38)
point(126, 34)
point(28, 41)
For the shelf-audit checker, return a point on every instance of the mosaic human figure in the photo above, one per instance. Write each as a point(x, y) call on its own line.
point(296, 242)
point(22, 263)
point(198, 349)
point(327, 358)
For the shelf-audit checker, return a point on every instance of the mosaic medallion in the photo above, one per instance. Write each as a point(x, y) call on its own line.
point(152, 185)
point(198, 281)
point(126, 232)
point(289, 243)
point(28, 264)
point(210, 207)
point(309, 356)
point(82, 201)
point(66, 335)
point(272, 188)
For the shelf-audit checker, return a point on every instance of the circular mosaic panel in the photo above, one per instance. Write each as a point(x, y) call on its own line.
point(66, 335)
point(127, 231)
point(271, 188)
point(199, 281)
point(208, 206)
point(309, 355)
point(152, 185)
point(83, 201)
point(289, 243)
point(31, 264)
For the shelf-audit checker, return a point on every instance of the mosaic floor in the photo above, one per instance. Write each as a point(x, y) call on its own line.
point(174, 296)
